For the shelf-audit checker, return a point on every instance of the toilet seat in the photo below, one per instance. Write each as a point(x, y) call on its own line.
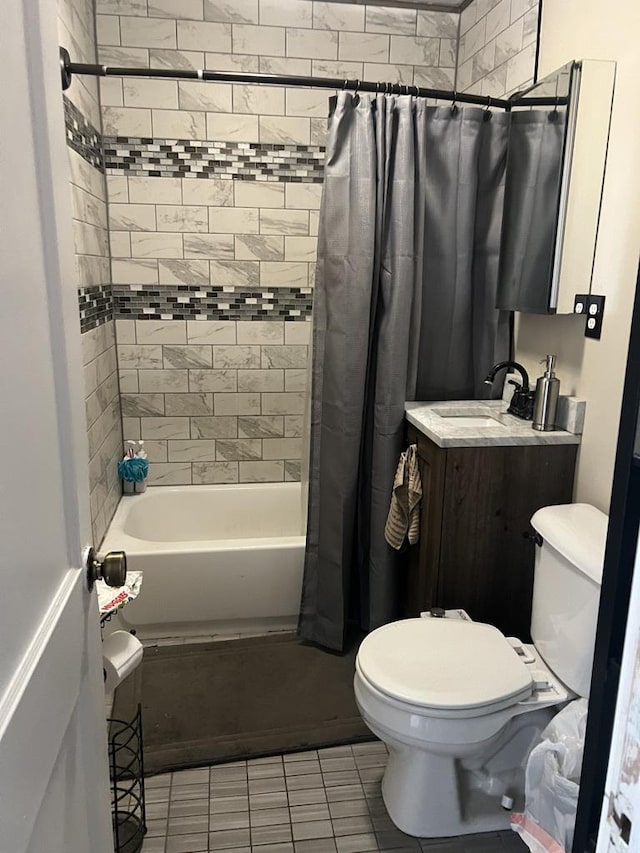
point(441, 666)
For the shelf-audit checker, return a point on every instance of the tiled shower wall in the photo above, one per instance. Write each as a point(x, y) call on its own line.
point(497, 46)
point(214, 191)
point(82, 118)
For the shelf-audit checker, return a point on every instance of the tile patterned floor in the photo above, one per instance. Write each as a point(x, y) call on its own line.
point(322, 801)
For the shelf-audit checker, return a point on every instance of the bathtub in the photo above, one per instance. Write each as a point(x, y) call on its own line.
point(217, 560)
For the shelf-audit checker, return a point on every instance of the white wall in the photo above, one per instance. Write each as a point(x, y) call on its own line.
point(594, 370)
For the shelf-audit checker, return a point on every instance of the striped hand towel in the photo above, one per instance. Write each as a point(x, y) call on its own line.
point(403, 520)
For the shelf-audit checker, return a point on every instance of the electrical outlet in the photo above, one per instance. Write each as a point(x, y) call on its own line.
point(595, 314)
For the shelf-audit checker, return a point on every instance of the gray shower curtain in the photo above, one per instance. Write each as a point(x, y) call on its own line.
point(403, 310)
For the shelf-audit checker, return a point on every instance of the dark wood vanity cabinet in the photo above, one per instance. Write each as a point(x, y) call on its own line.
point(475, 550)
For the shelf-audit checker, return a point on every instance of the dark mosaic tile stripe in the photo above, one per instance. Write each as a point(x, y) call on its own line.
point(181, 158)
point(95, 305)
point(186, 302)
point(82, 136)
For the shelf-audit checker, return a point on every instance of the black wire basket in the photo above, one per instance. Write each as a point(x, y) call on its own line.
point(126, 770)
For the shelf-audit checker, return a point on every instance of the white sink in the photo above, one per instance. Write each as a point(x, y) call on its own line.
point(467, 417)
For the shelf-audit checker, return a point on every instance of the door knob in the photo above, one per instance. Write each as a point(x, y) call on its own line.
point(112, 568)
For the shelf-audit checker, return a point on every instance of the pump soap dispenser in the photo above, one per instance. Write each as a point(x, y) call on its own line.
point(546, 399)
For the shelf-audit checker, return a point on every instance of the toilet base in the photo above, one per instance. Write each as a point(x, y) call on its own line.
point(431, 795)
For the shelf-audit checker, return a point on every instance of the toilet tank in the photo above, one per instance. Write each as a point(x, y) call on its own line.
point(566, 589)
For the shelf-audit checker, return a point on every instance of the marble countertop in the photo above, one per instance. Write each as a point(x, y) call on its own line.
point(478, 423)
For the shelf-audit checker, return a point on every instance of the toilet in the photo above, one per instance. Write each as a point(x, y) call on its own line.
point(460, 706)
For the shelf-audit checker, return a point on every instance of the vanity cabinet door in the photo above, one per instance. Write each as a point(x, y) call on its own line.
point(475, 551)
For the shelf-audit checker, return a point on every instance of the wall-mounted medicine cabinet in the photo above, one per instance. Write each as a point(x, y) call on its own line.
point(558, 138)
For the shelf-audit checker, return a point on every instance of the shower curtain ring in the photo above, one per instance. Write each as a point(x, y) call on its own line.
point(487, 110)
point(454, 106)
point(416, 92)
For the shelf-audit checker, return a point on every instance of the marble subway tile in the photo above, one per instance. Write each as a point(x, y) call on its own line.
point(186, 218)
point(117, 187)
point(180, 405)
point(297, 333)
point(261, 380)
point(283, 404)
point(243, 357)
point(295, 379)
point(435, 78)
point(211, 331)
point(282, 448)
point(235, 273)
point(366, 47)
point(258, 194)
point(261, 472)
point(191, 450)
point(260, 332)
point(236, 404)
point(257, 40)
point(139, 356)
point(207, 36)
point(108, 29)
point(285, 130)
point(232, 11)
point(338, 16)
point(162, 94)
point(303, 196)
point(230, 449)
point(287, 273)
point(184, 272)
point(498, 19)
point(265, 100)
point(214, 380)
point(509, 42)
point(519, 67)
point(161, 331)
point(156, 450)
point(215, 427)
point(210, 246)
point(259, 247)
point(307, 102)
point(205, 473)
point(284, 356)
point(128, 381)
point(163, 381)
point(292, 470)
point(214, 192)
point(293, 426)
point(300, 249)
point(284, 222)
point(473, 40)
point(205, 97)
point(261, 426)
point(164, 428)
point(312, 44)
point(178, 124)
point(170, 474)
point(232, 128)
point(242, 220)
point(384, 71)
point(283, 65)
point(417, 50)
point(154, 245)
point(131, 429)
point(147, 32)
point(438, 24)
point(189, 356)
point(293, 13)
point(125, 332)
point(483, 61)
point(176, 9)
point(448, 53)
point(381, 19)
point(142, 405)
point(232, 62)
point(132, 217)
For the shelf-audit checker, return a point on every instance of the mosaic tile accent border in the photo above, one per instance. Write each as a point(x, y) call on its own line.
point(95, 305)
point(186, 302)
point(183, 158)
point(82, 136)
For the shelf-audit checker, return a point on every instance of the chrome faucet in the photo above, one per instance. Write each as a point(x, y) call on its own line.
point(522, 400)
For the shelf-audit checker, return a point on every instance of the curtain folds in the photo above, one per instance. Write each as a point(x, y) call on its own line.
point(405, 288)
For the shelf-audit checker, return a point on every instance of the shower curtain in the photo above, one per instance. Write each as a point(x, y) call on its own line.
point(403, 310)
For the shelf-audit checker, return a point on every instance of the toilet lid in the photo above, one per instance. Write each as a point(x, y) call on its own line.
point(443, 663)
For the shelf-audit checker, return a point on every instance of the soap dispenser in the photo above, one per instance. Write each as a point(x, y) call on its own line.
point(546, 399)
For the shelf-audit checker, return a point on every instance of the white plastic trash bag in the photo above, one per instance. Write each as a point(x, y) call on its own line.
point(552, 783)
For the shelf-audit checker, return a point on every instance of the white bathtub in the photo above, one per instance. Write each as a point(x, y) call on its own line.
point(217, 560)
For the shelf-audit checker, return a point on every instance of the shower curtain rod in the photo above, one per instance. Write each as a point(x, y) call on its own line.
point(69, 68)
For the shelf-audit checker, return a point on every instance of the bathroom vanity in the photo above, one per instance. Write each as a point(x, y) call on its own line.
point(484, 474)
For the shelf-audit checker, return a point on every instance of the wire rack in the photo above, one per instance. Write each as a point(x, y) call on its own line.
point(126, 768)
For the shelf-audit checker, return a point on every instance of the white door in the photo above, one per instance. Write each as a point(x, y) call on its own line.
point(54, 794)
